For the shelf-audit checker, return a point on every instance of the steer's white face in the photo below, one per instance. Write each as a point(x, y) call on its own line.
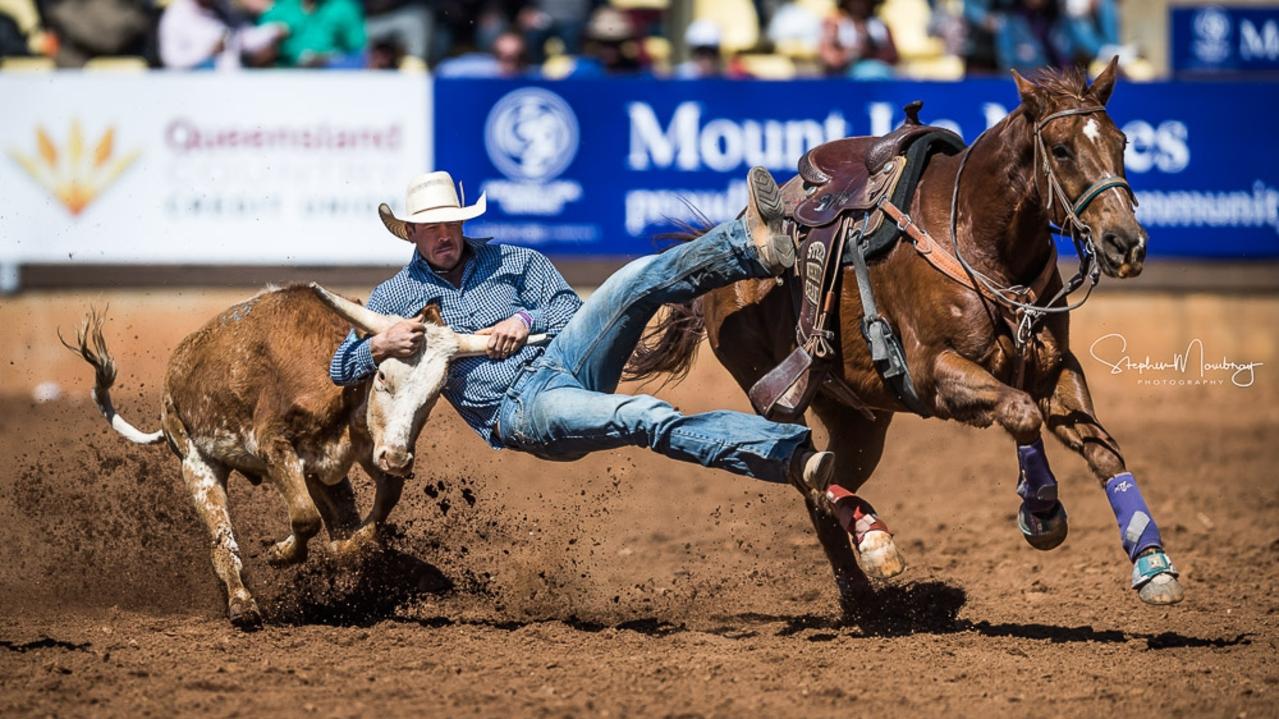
point(402, 396)
point(404, 391)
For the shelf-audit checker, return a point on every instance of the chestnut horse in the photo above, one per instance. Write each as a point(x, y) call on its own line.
point(1057, 159)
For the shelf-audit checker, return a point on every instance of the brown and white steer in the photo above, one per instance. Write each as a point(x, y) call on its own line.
point(250, 392)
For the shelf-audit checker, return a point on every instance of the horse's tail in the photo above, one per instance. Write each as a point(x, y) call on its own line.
point(91, 345)
point(669, 345)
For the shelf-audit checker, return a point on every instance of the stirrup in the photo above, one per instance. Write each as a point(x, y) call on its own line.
point(1149, 566)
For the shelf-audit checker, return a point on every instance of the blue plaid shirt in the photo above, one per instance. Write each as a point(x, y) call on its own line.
point(498, 280)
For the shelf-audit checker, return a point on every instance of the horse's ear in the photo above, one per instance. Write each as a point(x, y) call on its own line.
point(1105, 82)
point(431, 315)
point(1029, 94)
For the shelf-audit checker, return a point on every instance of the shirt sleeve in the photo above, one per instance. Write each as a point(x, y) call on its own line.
point(546, 296)
point(353, 360)
point(352, 31)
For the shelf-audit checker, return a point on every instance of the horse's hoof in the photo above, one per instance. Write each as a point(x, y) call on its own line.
point(1162, 590)
point(879, 557)
point(1043, 531)
point(243, 613)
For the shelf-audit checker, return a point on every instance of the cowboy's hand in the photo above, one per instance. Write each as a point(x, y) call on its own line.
point(505, 337)
point(401, 339)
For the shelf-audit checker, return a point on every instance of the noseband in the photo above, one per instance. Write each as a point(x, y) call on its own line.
point(1019, 298)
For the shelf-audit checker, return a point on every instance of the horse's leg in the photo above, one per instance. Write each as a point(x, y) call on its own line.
point(1070, 416)
point(858, 444)
point(972, 395)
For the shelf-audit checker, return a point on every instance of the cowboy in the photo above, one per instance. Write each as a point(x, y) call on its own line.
point(557, 401)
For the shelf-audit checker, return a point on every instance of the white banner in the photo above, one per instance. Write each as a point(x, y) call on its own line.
point(207, 168)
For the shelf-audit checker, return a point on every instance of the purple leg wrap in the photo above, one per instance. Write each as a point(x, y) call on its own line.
point(1136, 527)
point(1037, 486)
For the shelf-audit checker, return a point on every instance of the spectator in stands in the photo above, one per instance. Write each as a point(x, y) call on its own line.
point(611, 46)
point(507, 59)
point(322, 33)
point(402, 24)
point(702, 38)
point(203, 34)
point(1014, 34)
point(856, 43)
point(386, 54)
point(509, 52)
point(564, 20)
point(1090, 31)
point(795, 30)
point(13, 42)
point(92, 28)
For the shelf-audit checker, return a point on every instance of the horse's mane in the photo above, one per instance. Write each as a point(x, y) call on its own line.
point(1070, 83)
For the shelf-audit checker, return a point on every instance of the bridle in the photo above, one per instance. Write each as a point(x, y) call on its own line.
point(1019, 299)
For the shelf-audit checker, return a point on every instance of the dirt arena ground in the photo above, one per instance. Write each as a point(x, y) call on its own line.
point(627, 585)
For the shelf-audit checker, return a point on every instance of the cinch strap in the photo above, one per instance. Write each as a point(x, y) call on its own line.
point(1137, 527)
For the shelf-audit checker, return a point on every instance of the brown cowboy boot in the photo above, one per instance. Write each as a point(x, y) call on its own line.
point(811, 472)
point(764, 221)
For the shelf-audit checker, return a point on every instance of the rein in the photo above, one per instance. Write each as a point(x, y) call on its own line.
point(1019, 299)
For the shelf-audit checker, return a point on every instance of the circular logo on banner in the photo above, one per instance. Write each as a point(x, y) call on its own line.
point(1212, 35)
point(531, 134)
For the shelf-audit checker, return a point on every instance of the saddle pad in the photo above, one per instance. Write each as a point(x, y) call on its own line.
point(918, 154)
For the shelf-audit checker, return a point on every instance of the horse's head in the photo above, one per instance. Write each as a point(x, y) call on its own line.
point(1079, 155)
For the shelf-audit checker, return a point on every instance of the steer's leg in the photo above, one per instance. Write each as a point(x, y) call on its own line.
point(387, 495)
point(1070, 415)
point(284, 470)
point(206, 481)
point(858, 444)
point(336, 503)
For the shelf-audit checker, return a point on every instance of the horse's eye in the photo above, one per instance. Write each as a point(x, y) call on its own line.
point(1061, 152)
point(381, 376)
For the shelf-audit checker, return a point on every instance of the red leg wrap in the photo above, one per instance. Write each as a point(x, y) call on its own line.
point(853, 513)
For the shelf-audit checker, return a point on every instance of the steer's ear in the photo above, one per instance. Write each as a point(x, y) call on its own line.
point(431, 315)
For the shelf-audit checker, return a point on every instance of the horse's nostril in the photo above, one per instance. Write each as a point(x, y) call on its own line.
point(1139, 252)
point(1110, 241)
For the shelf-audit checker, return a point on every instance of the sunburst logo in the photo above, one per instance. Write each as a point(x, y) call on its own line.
point(75, 177)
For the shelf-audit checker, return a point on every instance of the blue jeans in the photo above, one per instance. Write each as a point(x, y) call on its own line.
point(562, 407)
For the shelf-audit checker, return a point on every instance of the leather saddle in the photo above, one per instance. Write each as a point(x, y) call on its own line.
point(839, 194)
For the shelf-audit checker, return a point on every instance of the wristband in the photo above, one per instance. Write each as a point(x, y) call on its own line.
point(525, 317)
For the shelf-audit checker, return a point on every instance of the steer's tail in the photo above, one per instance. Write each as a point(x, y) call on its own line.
point(90, 333)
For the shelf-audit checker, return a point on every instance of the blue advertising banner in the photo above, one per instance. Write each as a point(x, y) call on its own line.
point(1225, 39)
point(600, 167)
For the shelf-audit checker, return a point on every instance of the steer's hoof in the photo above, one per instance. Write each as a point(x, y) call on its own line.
point(286, 551)
point(879, 557)
point(243, 613)
point(1043, 530)
point(1162, 590)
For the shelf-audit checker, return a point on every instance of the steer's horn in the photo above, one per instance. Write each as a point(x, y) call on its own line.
point(478, 345)
point(357, 314)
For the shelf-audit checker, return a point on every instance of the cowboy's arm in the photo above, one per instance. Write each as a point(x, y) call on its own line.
point(546, 297)
point(353, 361)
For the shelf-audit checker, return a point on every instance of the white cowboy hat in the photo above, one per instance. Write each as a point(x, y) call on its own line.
point(430, 198)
